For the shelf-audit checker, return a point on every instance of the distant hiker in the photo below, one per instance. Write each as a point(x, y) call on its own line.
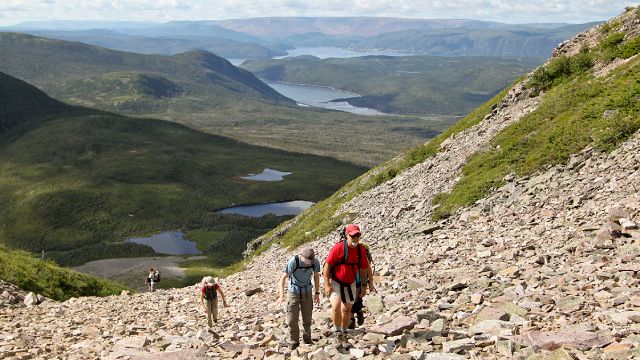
point(209, 299)
point(152, 279)
point(357, 308)
point(299, 301)
point(346, 259)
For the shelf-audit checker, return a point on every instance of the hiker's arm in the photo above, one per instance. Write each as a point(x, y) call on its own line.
point(363, 275)
point(224, 301)
point(282, 282)
point(372, 287)
point(202, 300)
point(316, 289)
point(327, 280)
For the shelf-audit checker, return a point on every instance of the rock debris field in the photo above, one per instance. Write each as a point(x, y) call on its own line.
point(545, 267)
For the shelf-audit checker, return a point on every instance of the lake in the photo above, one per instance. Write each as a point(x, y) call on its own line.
point(319, 96)
point(279, 209)
point(168, 242)
point(324, 52)
point(267, 175)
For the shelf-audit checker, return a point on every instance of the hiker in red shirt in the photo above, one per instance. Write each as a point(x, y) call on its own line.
point(344, 261)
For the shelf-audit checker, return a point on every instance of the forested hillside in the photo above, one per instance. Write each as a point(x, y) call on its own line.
point(75, 183)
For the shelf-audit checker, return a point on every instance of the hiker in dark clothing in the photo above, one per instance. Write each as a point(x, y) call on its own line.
point(357, 310)
point(345, 260)
point(209, 299)
point(299, 301)
point(152, 279)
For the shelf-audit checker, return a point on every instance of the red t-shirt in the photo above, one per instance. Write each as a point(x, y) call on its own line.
point(344, 272)
point(204, 288)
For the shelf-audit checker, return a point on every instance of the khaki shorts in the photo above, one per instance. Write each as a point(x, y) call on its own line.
point(336, 292)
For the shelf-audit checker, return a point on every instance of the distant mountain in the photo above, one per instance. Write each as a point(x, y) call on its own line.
point(420, 36)
point(166, 45)
point(73, 25)
point(503, 41)
point(99, 77)
point(282, 27)
point(191, 28)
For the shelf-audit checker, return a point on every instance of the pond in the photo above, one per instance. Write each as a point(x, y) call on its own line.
point(278, 209)
point(168, 242)
point(267, 175)
point(320, 96)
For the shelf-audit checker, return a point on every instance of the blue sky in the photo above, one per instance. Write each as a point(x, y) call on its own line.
point(509, 11)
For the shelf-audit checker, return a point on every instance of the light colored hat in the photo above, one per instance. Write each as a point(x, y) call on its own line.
point(208, 280)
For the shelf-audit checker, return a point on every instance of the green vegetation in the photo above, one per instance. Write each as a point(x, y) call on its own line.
point(75, 185)
point(46, 278)
point(207, 93)
point(560, 70)
point(406, 84)
point(578, 110)
point(614, 47)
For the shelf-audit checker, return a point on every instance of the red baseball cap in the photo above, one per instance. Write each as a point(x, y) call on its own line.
point(352, 229)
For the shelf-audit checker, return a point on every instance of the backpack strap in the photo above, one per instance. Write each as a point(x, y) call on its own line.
point(343, 261)
point(292, 276)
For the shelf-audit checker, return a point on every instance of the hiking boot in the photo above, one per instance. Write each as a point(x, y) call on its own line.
point(307, 341)
point(360, 316)
point(352, 324)
point(294, 346)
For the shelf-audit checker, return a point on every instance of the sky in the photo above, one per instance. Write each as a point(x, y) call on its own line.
point(508, 11)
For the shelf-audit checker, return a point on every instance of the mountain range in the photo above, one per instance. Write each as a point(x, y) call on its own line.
point(260, 38)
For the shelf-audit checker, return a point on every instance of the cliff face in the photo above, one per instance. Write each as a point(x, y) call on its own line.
point(546, 262)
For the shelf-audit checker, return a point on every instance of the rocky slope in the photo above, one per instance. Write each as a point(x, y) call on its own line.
point(543, 268)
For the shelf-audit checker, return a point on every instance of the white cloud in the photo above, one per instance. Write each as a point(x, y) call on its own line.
point(511, 11)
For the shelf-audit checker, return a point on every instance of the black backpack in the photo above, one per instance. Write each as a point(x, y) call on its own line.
point(210, 292)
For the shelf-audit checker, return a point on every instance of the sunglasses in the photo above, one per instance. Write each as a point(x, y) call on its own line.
point(355, 235)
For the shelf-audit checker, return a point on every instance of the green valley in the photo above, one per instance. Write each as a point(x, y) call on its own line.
point(405, 85)
point(76, 182)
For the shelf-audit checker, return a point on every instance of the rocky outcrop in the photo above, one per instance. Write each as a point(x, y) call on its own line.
point(545, 267)
point(11, 295)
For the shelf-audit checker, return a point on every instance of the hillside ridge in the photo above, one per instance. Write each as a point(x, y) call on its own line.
point(543, 267)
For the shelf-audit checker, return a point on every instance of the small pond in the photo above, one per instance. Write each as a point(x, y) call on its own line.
point(279, 209)
point(267, 175)
point(168, 242)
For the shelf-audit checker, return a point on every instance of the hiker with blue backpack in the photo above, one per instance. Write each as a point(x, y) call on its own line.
point(347, 259)
point(209, 298)
point(299, 271)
